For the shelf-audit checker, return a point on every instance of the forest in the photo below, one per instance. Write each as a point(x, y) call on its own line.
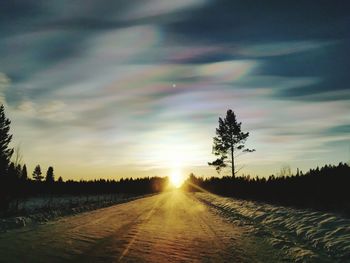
point(325, 189)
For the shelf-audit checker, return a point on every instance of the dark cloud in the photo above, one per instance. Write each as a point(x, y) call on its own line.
point(244, 21)
point(328, 64)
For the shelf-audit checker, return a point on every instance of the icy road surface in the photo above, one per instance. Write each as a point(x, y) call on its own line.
point(169, 227)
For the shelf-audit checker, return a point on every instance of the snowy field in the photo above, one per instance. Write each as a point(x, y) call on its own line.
point(304, 236)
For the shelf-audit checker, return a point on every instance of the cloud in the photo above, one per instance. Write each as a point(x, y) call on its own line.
point(278, 48)
point(153, 8)
point(51, 111)
point(94, 80)
point(4, 83)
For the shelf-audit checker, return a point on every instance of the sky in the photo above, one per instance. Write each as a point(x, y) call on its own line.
point(121, 88)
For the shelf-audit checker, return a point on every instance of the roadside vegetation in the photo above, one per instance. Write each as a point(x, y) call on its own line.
point(325, 189)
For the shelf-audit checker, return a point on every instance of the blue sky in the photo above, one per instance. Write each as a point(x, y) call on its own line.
point(135, 88)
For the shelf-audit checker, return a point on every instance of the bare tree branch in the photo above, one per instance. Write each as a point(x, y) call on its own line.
point(18, 157)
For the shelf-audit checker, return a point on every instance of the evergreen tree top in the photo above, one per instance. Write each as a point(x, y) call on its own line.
point(5, 139)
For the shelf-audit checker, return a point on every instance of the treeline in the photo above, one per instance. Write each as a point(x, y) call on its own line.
point(15, 185)
point(325, 188)
point(14, 189)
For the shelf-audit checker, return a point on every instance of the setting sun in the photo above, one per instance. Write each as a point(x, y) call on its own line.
point(176, 179)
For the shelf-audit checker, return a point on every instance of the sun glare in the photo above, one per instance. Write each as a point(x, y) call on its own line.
point(176, 179)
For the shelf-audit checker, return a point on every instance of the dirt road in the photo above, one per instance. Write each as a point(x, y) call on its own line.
point(169, 227)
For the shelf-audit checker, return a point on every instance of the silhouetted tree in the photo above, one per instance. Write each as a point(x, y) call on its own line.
point(37, 173)
point(5, 156)
point(24, 174)
point(50, 177)
point(285, 171)
point(60, 180)
point(228, 142)
point(5, 139)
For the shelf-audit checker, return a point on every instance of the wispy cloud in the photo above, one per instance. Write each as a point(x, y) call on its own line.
point(129, 88)
point(279, 48)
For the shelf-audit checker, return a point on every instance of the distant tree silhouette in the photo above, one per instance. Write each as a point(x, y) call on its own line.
point(229, 142)
point(24, 173)
point(60, 179)
point(285, 171)
point(50, 177)
point(37, 175)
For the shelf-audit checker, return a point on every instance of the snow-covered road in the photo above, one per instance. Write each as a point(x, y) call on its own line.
point(169, 227)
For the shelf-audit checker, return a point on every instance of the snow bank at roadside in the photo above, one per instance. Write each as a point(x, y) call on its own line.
point(39, 210)
point(303, 235)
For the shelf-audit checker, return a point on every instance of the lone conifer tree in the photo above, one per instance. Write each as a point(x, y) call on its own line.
point(5, 139)
point(228, 142)
point(37, 173)
point(50, 177)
